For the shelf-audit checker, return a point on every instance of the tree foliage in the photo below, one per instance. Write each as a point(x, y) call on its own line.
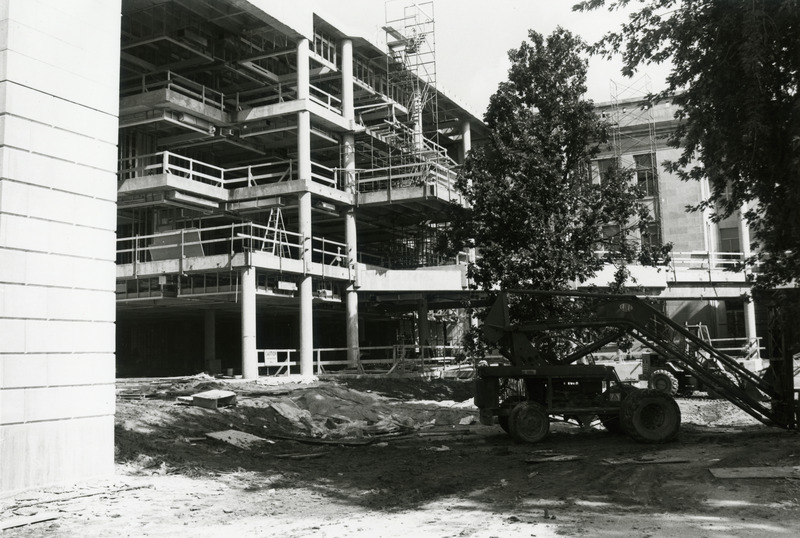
point(735, 71)
point(534, 213)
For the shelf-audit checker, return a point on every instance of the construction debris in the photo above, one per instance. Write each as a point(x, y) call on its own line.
point(308, 456)
point(756, 472)
point(210, 399)
point(553, 458)
point(333, 442)
point(239, 439)
point(644, 460)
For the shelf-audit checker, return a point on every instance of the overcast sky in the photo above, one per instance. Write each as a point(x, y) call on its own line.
point(473, 38)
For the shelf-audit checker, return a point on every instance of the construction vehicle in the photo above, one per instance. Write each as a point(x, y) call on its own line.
point(525, 393)
point(667, 375)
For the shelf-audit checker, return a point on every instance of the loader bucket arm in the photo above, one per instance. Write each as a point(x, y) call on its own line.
point(498, 322)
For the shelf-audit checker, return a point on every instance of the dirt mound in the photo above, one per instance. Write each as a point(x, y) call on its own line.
point(706, 412)
point(355, 409)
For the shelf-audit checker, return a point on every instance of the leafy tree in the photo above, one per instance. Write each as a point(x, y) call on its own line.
point(535, 214)
point(735, 73)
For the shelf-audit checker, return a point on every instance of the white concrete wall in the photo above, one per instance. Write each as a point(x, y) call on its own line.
point(59, 78)
point(444, 278)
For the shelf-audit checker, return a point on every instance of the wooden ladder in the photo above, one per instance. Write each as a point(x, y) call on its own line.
point(275, 239)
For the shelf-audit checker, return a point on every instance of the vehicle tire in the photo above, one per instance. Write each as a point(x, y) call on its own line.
point(650, 416)
point(611, 422)
point(663, 381)
point(508, 403)
point(528, 422)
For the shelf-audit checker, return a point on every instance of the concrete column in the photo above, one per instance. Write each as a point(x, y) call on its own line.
point(306, 291)
point(749, 305)
point(353, 351)
point(306, 347)
point(709, 237)
point(303, 117)
point(302, 69)
point(210, 342)
point(466, 141)
point(750, 317)
point(351, 295)
point(248, 300)
point(422, 324)
point(352, 255)
point(744, 231)
point(347, 80)
point(466, 146)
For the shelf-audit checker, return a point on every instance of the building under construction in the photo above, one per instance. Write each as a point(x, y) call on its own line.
point(282, 184)
point(276, 183)
point(237, 186)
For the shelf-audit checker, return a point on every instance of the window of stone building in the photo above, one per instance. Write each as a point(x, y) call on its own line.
point(605, 167)
point(611, 237)
point(729, 240)
point(652, 235)
point(646, 173)
point(735, 317)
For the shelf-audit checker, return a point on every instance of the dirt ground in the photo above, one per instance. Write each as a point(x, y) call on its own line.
point(405, 457)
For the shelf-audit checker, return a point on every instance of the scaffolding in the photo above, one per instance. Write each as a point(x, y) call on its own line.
point(411, 67)
point(404, 144)
point(633, 141)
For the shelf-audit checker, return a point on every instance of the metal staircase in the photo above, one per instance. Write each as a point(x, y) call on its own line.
point(725, 375)
point(771, 399)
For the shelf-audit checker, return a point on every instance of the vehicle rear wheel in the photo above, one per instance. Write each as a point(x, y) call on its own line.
point(616, 393)
point(528, 422)
point(650, 416)
point(508, 403)
point(664, 381)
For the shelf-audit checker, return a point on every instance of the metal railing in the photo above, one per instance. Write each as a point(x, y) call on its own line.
point(739, 348)
point(327, 100)
point(326, 176)
point(706, 260)
point(172, 81)
point(699, 260)
point(228, 239)
point(165, 162)
point(424, 360)
point(259, 174)
point(426, 173)
point(268, 94)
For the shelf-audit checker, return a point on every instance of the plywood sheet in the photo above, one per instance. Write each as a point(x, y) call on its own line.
point(236, 438)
